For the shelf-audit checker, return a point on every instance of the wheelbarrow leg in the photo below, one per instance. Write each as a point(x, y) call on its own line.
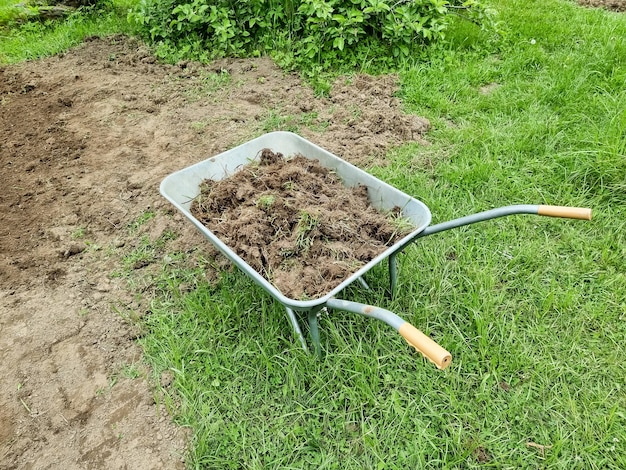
point(363, 283)
point(393, 274)
point(315, 332)
point(296, 328)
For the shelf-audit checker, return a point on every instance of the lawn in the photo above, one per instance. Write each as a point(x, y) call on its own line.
point(31, 40)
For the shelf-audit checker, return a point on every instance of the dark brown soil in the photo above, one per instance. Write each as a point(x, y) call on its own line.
point(295, 223)
point(613, 5)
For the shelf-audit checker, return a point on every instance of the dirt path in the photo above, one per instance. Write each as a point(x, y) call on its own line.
point(85, 139)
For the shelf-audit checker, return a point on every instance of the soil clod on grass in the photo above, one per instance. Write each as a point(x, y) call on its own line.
point(294, 222)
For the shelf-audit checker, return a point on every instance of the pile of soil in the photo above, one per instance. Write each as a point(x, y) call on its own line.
point(295, 223)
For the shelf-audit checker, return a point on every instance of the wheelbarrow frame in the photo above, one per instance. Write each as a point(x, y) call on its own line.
point(181, 187)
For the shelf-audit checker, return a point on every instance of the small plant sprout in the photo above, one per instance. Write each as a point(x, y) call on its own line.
point(265, 202)
point(306, 224)
point(215, 81)
point(199, 126)
point(78, 233)
point(130, 371)
point(134, 226)
point(400, 223)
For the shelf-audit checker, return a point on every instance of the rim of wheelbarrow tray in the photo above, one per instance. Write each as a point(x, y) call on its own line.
point(181, 187)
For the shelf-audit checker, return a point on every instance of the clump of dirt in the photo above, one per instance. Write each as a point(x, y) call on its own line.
point(294, 222)
point(613, 5)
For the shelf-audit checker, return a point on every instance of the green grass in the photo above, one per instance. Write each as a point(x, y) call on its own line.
point(532, 309)
point(32, 40)
point(12, 11)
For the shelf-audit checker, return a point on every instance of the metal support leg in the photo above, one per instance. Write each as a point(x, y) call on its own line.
point(296, 327)
point(364, 284)
point(315, 332)
point(393, 274)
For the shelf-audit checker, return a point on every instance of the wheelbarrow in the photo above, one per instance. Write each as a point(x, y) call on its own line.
point(181, 187)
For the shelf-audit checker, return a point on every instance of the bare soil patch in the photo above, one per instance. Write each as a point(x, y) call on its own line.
point(85, 139)
point(612, 5)
point(295, 223)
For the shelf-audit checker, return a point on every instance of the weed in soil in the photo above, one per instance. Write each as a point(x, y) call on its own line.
point(294, 222)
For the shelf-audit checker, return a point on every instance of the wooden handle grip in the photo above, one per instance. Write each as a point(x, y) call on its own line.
point(567, 212)
point(426, 346)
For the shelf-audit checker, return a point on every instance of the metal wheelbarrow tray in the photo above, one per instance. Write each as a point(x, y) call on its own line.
point(182, 187)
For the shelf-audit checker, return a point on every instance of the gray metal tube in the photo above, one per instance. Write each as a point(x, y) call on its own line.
point(314, 331)
point(422, 343)
point(393, 274)
point(363, 283)
point(296, 327)
point(480, 217)
point(371, 311)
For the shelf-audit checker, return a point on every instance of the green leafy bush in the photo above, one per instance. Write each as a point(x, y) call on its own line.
point(299, 32)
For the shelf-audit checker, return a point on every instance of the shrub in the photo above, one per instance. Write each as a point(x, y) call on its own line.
point(300, 32)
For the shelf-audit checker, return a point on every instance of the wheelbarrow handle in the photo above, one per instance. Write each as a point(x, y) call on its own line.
point(550, 211)
point(422, 343)
point(566, 212)
point(425, 345)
